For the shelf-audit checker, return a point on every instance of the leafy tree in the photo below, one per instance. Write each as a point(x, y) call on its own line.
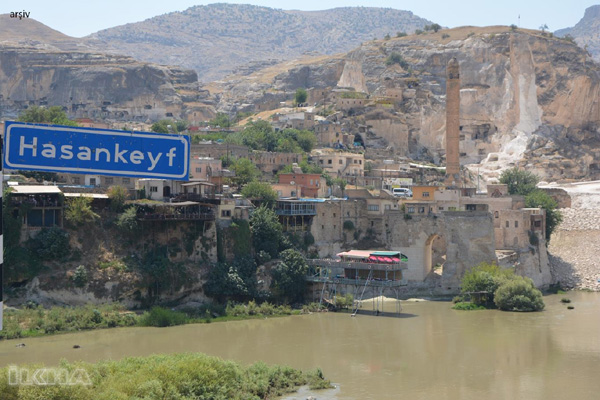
point(266, 231)
point(401, 34)
point(50, 244)
point(519, 182)
point(543, 27)
point(162, 126)
point(518, 294)
point(300, 96)
point(245, 171)
point(221, 120)
point(80, 277)
point(288, 145)
point(387, 37)
point(261, 191)
point(127, 221)
point(117, 195)
point(484, 278)
point(341, 183)
point(181, 126)
point(79, 211)
point(42, 115)
point(396, 58)
point(223, 282)
point(435, 27)
point(541, 199)
point(306, 140)
point(513, 27)
point(289, 275)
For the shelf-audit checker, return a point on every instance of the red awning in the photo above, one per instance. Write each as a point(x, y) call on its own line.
point(395, 259)
point(373, 258)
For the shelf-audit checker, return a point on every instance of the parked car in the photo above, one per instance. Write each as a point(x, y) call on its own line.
point(402, 192)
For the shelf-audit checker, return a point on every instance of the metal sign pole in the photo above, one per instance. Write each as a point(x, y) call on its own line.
point(1, 239)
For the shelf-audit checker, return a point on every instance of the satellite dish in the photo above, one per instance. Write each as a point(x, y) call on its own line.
point(292, 183)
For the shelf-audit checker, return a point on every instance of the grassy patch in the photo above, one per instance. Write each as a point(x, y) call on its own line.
point(37, 321)
point(467, 306)
point(175, 376)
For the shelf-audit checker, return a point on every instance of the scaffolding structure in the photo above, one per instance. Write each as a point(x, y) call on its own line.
point(359, 278)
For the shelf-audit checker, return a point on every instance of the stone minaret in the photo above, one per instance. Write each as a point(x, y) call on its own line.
point(452, 124)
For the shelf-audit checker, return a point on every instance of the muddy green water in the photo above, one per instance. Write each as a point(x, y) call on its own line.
point(430, 352)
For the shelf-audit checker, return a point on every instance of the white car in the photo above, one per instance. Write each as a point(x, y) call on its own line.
point(402, 192)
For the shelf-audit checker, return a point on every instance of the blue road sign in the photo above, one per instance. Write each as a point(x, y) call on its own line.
point(69, 149)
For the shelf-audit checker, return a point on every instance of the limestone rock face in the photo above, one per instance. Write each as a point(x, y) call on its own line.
point(92, 85)
point(526, 99)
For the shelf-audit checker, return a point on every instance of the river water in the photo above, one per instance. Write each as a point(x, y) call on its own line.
point(429, 352)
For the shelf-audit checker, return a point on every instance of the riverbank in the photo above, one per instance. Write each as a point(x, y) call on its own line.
point(182, 376)
point(36, 321)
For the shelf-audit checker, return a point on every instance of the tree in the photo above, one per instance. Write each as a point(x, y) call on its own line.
point(288, 145)
point(518, 294)
point(163, 126)
point(261, 191)
point(306, 140)
point(42, 115)
point(300, 96)
point(543, 27)
point(267, 232)
point(481, 282)
point(387, 37)
point(127, 221)
point(289, 276)
point(79, 211)
point(117, 195)
point(540, 199)
point(401, 34)
point(221, 120)
point(435, 27)
point(245, 171)
point(396, 58)
point(341, 183)
point(513, 27)
point(519, 182)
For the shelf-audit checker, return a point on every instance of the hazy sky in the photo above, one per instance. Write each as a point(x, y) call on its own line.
point(82, 17)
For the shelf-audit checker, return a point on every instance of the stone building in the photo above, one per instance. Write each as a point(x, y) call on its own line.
point(339, 163)
point(270, 162)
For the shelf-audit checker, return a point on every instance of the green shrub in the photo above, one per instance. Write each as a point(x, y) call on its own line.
point(161, 317)
point(127, 221)
point(518, 294)
point(396, 58)
point(79, 211)
point(467, 306)
point(80, 277)
point(482, 281)
point(173, 376)
point(50, 244)
point(565, 300)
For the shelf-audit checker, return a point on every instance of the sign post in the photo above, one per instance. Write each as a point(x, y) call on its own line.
point(67, 149)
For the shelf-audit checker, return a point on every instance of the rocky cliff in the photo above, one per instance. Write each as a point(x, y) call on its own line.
point(94, 85)
point(217, 39)
point(527, 99)
point(586, 31)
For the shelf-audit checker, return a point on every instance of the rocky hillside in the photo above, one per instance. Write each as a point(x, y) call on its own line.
point(217, 39)
point(526, 98)
point(586, 32)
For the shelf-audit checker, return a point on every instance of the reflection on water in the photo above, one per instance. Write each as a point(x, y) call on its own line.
point(438, 353)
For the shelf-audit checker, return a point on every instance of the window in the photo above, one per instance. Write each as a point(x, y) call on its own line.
point(225, 213)
point(348, 213)
point(387, 207)
point(537, 224)
point(335, 226)
point(153, 189)
point(320, 161)
point(333, 215)
point(341, 162)
point(198, 169)
point(108, 181)
point(76, 180)
point(441, 208)
point(311, 181)
point(496, 214)
point(507, 224)
point(425, 194)
point(421, 210)
point(516, 224)
point(126, 181)
point(373, 207)
point(410, 210)
point(322, 226)
point(329, 162)
point(93, 181)
point(355, 161)
point(360, 162)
